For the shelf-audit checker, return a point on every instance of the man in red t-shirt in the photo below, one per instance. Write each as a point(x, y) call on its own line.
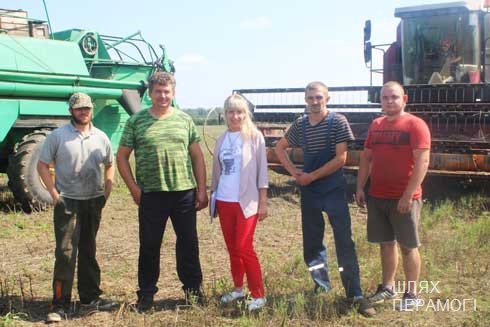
point(396, 157)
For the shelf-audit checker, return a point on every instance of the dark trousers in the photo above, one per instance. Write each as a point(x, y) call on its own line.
point(154, 211)
point(334, 203)
point(76, 223)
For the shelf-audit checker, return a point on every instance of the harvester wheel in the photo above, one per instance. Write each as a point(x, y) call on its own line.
point(23, 178)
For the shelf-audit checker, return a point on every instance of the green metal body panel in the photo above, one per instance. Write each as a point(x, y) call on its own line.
point(30, 78)
point(44, 113)
point(42, 108)
point(26, 54)
point(120, 72)
point(54, 91)
point(8, 114)
point(111, 118)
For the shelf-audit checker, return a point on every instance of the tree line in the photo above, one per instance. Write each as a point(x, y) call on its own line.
point(199, 115)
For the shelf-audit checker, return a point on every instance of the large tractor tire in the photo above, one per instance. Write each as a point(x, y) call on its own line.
point(23, 178)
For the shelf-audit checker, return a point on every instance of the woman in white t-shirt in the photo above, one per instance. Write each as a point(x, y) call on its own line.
point(239, 185)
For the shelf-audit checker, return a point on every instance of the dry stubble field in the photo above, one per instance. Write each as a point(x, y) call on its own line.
point(455, 252)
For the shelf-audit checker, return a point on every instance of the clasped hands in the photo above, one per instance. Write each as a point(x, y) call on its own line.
point(303, 178)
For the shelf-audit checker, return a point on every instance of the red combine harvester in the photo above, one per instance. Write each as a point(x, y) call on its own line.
point(442, 58)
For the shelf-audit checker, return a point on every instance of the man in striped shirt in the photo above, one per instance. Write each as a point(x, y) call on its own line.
point(323, 135)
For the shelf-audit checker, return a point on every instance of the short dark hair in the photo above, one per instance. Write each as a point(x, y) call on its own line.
point(161, 78)
point(316, 86)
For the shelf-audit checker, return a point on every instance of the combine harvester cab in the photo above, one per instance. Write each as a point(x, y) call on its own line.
point(451, 92)
point(38, 73)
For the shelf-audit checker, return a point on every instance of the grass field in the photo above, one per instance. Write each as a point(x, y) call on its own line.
point(455, 253)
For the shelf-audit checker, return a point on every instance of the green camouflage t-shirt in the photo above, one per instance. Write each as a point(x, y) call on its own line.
point(161, 148)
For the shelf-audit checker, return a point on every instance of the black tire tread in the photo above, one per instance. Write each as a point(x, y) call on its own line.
point(18, 169)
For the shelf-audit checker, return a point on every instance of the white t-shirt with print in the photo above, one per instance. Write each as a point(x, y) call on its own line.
point(230, 157)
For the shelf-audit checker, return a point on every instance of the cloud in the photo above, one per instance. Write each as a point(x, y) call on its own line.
point(189, 61)
point(192, 59)
point(261, 22)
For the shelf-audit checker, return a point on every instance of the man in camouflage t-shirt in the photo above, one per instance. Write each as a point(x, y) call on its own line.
point(169, 164)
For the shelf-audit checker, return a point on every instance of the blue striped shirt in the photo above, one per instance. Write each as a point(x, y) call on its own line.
point(317, 135)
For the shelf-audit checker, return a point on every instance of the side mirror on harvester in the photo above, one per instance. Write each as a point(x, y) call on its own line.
point(368, 51)
point(367, 30)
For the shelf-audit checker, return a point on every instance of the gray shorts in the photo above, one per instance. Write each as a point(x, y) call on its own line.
point(386, 224)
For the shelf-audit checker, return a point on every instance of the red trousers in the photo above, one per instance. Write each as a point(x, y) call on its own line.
point(238, 232)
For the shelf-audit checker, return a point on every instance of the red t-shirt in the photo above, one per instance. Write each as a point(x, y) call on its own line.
point(392, 144)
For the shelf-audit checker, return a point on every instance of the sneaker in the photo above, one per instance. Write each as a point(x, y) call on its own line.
point(56, 315)
point(256, 304)
point(145, 303)
point(382, 294)
point(409, 302)
point(100, 304)
point(364, 307)
point(232, 296)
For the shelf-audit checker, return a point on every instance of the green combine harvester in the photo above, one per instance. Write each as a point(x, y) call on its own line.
point(39, 71)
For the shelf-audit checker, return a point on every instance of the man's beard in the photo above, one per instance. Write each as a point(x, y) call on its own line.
point(79, 122)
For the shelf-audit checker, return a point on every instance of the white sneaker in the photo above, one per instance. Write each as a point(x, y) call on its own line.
point(56, 315)
point(256, 304)
point(232, 296)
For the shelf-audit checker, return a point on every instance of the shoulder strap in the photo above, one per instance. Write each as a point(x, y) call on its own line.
point(329, 128)
point(304, 143)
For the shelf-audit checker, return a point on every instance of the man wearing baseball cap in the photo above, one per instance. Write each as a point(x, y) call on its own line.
point(77, 150)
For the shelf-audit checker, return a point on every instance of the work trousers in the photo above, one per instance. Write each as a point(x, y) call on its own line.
point(154, 210)
point(238, 233)
point(334, 203)
point(76, 223)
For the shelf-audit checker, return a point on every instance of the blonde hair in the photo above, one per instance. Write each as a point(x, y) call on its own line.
point(393, 84)
point(236, 101)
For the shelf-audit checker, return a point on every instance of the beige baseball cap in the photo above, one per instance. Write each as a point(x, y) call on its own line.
point(80, 100)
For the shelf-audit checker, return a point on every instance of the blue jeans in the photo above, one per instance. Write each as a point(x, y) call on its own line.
point(334, 203)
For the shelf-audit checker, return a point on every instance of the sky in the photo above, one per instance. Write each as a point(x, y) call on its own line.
point(222, 45)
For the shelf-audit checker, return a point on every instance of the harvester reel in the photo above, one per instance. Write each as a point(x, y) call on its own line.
point(23, 178)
